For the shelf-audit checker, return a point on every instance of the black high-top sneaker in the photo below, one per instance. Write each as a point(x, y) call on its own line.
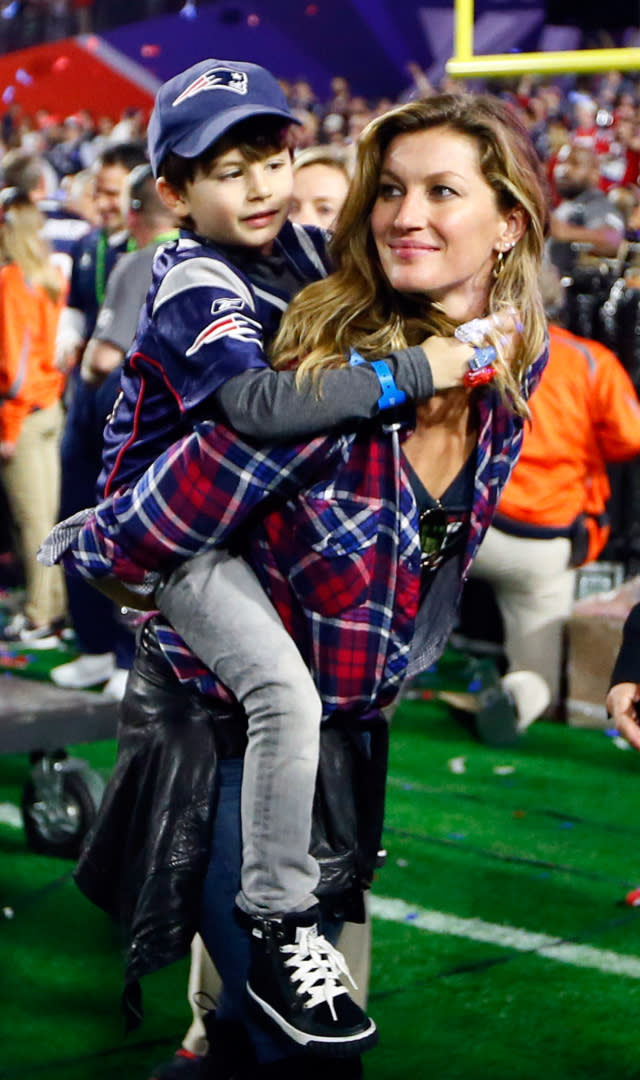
point(295, 980)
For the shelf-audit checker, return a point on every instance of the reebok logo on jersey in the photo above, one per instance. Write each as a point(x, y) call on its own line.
point(217, 79)
point(226, 303)
point(234, 326)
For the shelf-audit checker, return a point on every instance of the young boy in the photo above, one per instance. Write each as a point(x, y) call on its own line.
point(218, 144)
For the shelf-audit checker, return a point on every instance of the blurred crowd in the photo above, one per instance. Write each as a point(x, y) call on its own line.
point(599, 112)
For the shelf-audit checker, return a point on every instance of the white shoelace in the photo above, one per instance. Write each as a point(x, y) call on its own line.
point(317, 968)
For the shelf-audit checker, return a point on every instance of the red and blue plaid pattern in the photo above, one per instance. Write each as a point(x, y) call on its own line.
point(336, 545)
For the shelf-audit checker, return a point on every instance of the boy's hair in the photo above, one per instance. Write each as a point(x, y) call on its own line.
point(256, 139)
point(196, 108)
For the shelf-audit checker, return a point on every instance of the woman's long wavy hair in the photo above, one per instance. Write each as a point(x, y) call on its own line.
point(355, 307)
point(22, 243)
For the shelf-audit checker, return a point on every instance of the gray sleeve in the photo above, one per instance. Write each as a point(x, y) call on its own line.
point(126, 292)
point(267, 404)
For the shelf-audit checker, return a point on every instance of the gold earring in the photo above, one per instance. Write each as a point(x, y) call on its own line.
point(498, 265)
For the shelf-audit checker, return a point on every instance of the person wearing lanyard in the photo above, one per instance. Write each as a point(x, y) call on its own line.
point(99, 636)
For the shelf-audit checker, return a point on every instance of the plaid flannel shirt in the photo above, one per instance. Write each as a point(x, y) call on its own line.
point(330, 528)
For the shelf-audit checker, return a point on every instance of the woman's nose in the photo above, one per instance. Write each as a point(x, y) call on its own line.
point(411, 212)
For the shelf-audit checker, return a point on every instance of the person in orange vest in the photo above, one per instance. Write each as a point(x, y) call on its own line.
point(552, 516)
point(31, 297)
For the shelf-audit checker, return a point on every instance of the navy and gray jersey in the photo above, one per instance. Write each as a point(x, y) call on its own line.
point(208, 315)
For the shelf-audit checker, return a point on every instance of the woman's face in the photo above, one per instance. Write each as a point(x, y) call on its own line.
point(319, 191)
point(436, 223)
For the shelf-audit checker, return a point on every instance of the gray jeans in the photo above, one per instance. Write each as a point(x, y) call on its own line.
point(218, 606)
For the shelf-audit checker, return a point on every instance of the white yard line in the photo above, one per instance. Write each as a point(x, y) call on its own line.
point(10, 815)
point(507, 937)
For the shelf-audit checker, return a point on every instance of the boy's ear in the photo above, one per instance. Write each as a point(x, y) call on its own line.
point(173, 199)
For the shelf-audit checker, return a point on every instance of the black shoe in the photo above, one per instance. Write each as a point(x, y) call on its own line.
point(183, 1066)
point(230, 1055)
point(294, 979)
point(307, 1066)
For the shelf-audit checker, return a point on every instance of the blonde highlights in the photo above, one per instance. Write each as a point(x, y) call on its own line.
point(22, 243)
point(356, 308)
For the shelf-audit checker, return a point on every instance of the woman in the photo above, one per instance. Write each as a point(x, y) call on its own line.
point(30, 409)
point(444, 223)
point(320, 185)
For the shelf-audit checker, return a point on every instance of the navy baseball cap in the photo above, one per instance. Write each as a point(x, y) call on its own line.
point(200, 104)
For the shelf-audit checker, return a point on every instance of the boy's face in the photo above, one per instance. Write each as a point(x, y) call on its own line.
point(240, 202)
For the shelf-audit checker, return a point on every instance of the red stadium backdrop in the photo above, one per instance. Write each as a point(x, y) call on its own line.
point(68, 75)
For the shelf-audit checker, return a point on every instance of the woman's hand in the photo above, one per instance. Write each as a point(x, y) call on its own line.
point(621, 703)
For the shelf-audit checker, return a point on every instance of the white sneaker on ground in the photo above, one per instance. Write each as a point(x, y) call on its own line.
point(21, 631)
point(117, 684)
point(87, 670)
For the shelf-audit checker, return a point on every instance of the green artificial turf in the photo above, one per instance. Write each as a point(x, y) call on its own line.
point(550, 847)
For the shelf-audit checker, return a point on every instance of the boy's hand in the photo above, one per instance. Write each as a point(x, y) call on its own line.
point(449, 357)
point(621, 703)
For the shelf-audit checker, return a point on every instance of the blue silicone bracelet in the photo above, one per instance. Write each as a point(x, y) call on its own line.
point(391, 396)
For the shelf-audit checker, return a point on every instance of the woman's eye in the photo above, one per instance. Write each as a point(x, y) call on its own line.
point(442, 191)
point(389, 191)
point(279, 164)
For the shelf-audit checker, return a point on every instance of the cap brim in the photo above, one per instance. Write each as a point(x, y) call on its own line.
point(196, 141)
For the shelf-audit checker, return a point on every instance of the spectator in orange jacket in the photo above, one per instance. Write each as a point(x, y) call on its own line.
point(31, 290)
point(552, 514)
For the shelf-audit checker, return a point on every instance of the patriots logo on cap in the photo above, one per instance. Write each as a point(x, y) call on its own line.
point(216, 79)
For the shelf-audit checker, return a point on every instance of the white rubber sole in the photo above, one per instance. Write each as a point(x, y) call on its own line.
point(345, 1046)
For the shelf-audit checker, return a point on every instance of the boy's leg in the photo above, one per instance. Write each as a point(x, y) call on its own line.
point(218, 606)
point(220, 609)
point(231, 945)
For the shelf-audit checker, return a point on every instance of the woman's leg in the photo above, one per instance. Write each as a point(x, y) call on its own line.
point(218, 606)
point(226, 941)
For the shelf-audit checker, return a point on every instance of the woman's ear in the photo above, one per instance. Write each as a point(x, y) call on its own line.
point(173, 199)
point(515, 224)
